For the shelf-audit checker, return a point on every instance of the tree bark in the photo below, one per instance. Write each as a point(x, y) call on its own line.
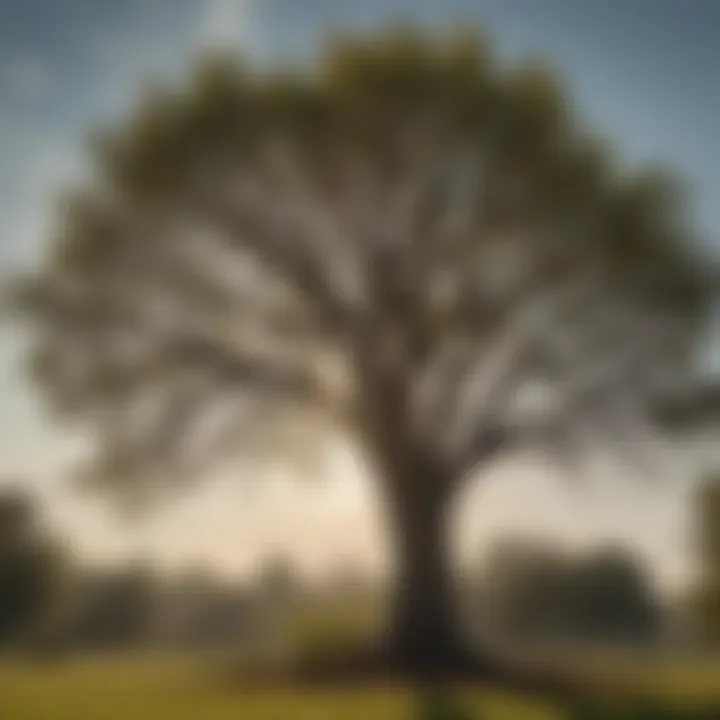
point(424, 634)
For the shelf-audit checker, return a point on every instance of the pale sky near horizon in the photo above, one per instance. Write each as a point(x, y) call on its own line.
point(644, 72)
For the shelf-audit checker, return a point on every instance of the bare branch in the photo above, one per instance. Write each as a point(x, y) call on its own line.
point(255, 220)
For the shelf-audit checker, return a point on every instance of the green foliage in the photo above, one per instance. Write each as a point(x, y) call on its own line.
point(534, 593)
point(114, 610)
point(705, 600)
point(382, 128)
point(31, 573)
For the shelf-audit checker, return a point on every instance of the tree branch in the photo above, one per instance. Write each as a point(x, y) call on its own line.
point(279, 239)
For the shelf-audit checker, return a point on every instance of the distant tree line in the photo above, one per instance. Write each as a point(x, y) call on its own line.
point(534, 593)
point(49, 602)
point(134, 607)
point(525, 592)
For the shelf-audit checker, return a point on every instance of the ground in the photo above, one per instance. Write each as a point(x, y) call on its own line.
point(156, 688)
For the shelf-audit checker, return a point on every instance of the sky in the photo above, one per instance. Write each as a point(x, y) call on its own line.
point(642, 72)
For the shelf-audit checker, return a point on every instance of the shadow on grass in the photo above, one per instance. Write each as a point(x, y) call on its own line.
point(440, 703)
point(645, 710)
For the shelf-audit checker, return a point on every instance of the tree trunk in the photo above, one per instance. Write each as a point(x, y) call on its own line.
point(424, 634)
point(426, 637)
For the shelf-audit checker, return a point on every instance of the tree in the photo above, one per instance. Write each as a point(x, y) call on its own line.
point(403, 243)
point(616, 602)
point(115, 608)
point(30, 571)
point(532, 592)
point(196, 610)
point(705, 600)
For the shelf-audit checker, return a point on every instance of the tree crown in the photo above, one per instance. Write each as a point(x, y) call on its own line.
point(405, 236)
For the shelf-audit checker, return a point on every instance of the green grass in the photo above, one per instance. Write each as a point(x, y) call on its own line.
point(154, 688)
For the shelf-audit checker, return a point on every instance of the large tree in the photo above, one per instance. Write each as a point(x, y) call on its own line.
point(403, 243)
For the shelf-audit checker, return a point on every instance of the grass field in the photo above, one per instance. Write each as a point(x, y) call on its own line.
point(156, 689)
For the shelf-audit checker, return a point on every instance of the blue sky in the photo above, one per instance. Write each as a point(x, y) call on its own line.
point(643, 72)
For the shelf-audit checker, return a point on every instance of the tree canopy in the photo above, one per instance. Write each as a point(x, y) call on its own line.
point(405, 242)
point(407, 228)
point(532, 592)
